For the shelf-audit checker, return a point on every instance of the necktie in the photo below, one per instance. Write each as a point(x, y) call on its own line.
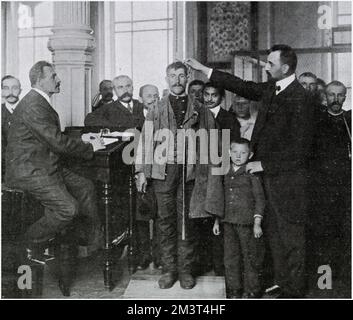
point(278, 88)
point(129, 107)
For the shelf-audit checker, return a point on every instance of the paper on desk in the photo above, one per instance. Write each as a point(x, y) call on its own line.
point(120, 134)
point(107, 141)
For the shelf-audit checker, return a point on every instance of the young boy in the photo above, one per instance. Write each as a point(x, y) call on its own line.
point(244, 207)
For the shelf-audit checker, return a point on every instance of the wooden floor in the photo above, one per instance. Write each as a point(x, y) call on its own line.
point(89, 284)
point(146, 287)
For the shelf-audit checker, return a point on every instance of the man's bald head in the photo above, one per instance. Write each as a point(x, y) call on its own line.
point(149, 95)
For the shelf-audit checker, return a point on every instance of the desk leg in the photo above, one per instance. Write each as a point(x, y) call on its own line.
point(107, 200)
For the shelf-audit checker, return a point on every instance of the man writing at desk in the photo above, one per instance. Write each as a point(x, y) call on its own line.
point(35, 148)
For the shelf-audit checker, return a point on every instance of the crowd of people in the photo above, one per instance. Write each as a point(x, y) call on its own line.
point(287, 189)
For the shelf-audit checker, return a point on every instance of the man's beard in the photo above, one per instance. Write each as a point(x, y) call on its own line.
point(335, 107)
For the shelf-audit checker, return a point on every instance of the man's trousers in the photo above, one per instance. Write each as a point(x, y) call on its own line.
point(68, 199)
point(243, 259)
point(177, 255)
point(284, 226)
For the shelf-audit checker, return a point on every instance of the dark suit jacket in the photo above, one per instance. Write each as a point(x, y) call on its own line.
point(282, 139)
point(244, 197)
point(228, 120)
point(5, 125)
point(36, 144)
point(282, 136)
point(115, 116)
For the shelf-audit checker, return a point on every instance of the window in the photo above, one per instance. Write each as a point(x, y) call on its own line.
point(34, 23)
point(344, 13)
point(143, 41)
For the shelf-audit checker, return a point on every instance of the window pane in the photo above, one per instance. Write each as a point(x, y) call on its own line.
point(123, 27)
point(122, 11)
point(344, 20)
point(343, 73)
point(123, 53)
point(150, 59)
point(41, 49)
point(26, 58)
point(344, 7)
point(43, 14)
point(149, 10)
point(150, 25)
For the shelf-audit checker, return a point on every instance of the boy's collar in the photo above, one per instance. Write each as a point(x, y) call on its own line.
point(240, 169)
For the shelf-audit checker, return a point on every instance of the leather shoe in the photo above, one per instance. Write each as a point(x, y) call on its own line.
point(187, 281)
point(167, 280)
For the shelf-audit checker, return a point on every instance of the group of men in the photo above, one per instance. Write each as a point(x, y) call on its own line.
point(293, 130)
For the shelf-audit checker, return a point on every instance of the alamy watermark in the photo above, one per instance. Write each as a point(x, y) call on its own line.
point(185, 146)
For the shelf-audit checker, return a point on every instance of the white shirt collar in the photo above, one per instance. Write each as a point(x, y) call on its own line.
point(180, 95)
point(284, 83)
point(125, 104)
point(242, 121)
point(43, 94)
point(335, 114)
point(215, 110)
point(11, 107)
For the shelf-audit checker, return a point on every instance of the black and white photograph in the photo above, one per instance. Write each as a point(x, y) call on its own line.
point(191, 151)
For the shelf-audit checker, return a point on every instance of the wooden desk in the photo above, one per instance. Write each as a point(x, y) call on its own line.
point(112, 176)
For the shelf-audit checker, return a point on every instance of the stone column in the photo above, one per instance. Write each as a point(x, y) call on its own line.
point(72, 44)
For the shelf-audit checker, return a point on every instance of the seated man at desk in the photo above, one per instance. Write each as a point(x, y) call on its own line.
point(122, 114)
point(35, 149)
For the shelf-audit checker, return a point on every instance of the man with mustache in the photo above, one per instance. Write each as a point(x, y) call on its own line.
point(35, 150)
point(122, 114)
point(10, 93)
point(282, 141)
point(331, 227)
point(173, 112)
point(105, 94)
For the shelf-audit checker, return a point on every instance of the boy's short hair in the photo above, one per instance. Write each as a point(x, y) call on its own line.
point(241, 141)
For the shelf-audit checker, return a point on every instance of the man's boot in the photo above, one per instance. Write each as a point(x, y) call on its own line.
point(167, 280)
point(187, 281)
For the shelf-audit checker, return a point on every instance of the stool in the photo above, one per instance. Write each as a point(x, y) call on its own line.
point(19, 211)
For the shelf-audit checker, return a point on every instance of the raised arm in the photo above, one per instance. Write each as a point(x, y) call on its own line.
point(247, 89)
